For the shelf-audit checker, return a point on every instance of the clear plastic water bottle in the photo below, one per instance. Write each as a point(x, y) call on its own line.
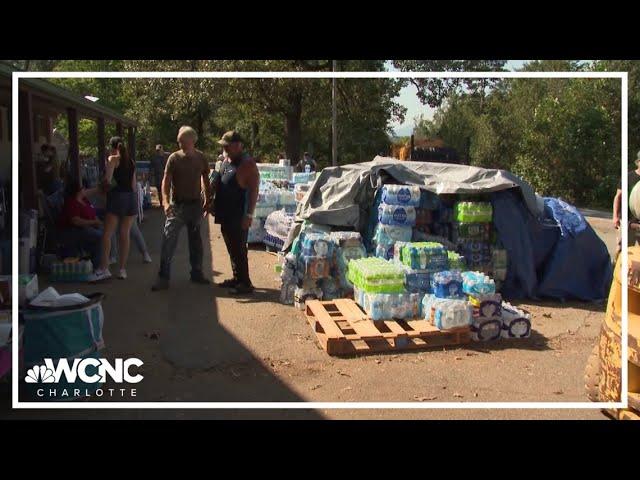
point(307, 169)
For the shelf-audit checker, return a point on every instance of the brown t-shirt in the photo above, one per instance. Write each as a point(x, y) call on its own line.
point(186, 173)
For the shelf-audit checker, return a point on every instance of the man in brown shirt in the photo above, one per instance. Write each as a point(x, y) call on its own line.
point(185, 194)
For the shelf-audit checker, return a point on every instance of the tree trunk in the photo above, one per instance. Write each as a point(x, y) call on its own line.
point(255, 131)
point(293, 128)
point(200, 128)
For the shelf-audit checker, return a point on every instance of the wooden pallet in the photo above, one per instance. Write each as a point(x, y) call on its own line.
point(343, 328)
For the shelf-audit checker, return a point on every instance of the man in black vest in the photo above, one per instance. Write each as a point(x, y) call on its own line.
point(235, 203)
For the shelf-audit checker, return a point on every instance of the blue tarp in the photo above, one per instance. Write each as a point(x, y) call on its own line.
point(558, 256)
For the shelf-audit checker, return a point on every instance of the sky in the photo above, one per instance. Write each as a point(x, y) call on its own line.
point(409, 99)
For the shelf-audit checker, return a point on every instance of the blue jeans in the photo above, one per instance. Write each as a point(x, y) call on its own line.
point(189, 215)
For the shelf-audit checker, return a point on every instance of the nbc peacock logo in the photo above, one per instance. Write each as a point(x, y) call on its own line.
point(40, 374)
point(70, 375)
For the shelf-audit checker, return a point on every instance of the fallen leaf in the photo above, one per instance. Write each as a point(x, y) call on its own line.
point(471, 354)
point(315, 387)
point(558, 392)
point(343, 373)
point(458, 358)
point(458, 395)
point(546, 315)
point(424, 399)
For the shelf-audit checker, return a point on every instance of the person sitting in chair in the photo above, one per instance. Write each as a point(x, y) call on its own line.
point(79, 221)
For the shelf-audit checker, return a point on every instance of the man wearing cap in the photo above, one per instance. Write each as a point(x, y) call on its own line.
point(186, 175)
point(158, 162)
point(235, 202)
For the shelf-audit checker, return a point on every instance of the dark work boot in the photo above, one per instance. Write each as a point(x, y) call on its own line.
point(228, 283)
point(199, 278)
point(242, 289)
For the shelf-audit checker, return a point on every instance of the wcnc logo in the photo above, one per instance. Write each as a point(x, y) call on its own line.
point(87, 371)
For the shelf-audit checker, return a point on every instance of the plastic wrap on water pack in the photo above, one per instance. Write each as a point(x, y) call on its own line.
point(477, 283)
point(344, 239)
point(375, 275)
point(396, 215)
point(256, 231)
point(486, 306)
point(302, 295)
point(515, 322)
point(456, 261)
point(424, 256)
point(344, 256)
point(418, 281)
point(317, 245)
point(447, 284)
point(279, 223)
point(273, 241)
point(388, 234)
point(466, 232)
point(401, 195)
point(388, 306)
point(315, 268)
point(473, 212)
point(486, 329)
point(330, 288)
point(303, 177)
point(384, 251)
point(446, 313)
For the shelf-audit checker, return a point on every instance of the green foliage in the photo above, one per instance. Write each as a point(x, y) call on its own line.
point(561, 135)
point(435, 91)
point(273, 115)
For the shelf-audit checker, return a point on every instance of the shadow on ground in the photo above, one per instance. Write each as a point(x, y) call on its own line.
point(188, 356)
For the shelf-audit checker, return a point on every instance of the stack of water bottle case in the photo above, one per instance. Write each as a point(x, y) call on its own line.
point(316, 266)
point(271, 199)
point(410, 275)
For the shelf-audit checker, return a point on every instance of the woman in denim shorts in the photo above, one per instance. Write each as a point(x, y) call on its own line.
point(122, 208)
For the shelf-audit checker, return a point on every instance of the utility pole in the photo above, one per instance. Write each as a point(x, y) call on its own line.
point(334, 128)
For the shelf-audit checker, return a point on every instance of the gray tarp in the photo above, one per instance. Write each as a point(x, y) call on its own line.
point(341, 195)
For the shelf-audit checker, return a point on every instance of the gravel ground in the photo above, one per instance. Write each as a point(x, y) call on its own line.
point(199, 344)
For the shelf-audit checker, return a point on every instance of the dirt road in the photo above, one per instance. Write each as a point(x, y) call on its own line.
point(199, 344)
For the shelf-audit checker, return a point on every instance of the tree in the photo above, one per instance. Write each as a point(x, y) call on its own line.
point(434, 91)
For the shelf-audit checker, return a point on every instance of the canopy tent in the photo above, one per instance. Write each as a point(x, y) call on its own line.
point(553, 252)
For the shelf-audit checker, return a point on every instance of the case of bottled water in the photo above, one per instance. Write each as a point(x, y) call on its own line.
point(447, 284)
point(477, 284)
point(473, 212)
point(487, 306)
point(515, 322)
point(486, 329)
point(446, 313)
point(388, 306)
point(375, 275)
point(397, 215)
point(401, 195)
point(388, 234)
point(424, 256)
point(317, 245)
